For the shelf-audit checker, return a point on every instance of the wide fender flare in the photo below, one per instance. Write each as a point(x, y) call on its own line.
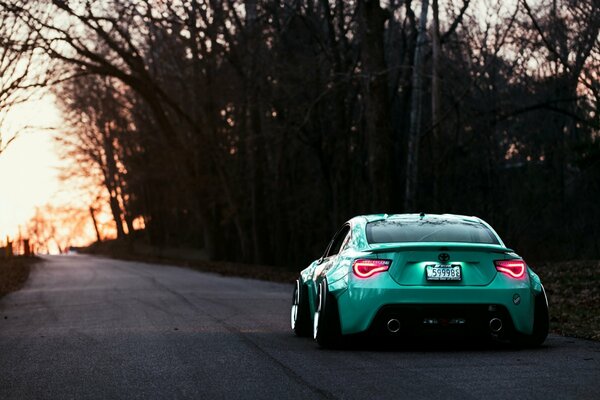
point(536, 283)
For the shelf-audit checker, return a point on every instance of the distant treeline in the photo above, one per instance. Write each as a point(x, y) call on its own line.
point(255, 128)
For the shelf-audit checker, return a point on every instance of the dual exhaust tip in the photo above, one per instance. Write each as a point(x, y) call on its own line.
point(495, 324)
point(393, 325)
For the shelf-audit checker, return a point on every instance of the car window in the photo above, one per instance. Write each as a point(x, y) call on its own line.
point(428, 230)
point(337, 241)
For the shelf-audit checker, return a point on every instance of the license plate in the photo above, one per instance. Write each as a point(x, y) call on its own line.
point(439, 272)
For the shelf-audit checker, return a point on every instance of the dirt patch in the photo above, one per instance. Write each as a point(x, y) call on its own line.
point(14, 273)
point(573, 289)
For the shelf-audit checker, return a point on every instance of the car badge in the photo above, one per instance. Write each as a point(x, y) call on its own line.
point(444, 257)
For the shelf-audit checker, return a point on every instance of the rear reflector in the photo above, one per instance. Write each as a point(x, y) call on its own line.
point(366, 268)
point(512, 268)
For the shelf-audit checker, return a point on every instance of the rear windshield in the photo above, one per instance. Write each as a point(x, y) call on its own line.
point(428, 230)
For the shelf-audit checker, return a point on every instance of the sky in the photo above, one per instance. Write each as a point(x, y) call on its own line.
point(29, 167)
point(30, 170)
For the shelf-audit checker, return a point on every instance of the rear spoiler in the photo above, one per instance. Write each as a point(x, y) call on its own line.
point(436, 246)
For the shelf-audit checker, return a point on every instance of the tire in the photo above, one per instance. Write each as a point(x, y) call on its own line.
point(326, 326)
point(300, 313)
point(541, 323)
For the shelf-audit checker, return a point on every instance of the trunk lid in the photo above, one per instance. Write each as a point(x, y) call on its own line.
point(409, 261)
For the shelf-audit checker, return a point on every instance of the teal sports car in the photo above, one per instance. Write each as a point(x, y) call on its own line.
point(419, 275)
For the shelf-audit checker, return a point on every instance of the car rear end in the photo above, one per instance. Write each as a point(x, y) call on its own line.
point(413, 283)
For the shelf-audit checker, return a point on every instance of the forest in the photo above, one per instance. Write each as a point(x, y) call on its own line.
point(254, 128)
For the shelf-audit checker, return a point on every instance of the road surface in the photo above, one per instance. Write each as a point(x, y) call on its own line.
point(86, 327)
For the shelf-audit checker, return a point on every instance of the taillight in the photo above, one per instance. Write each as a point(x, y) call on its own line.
point(368, 267)
point(512, 268)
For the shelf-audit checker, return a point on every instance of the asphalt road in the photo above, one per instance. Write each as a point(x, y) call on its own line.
point(88, 327)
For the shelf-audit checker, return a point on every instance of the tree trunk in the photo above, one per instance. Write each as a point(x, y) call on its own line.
point(378, 122)
point(256, 145)
point(415, 114)
point(435, 103)
point(98, 237)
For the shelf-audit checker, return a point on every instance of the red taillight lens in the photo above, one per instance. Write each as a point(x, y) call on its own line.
point(512, 268)
point(367, 267)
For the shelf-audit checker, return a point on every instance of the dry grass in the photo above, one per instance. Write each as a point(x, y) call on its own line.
point(573, 289)
point(264, 272)
point(14, 273)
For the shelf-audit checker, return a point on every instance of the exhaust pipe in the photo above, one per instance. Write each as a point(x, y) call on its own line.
point(393, 325)
point(495, 325)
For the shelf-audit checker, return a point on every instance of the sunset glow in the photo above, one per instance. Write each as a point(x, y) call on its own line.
point(30, 184)
point(29, 166)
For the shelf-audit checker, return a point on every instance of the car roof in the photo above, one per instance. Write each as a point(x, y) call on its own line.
point(414, 216)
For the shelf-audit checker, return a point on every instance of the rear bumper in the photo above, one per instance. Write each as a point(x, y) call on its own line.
point(418, 320)
point(363, 303)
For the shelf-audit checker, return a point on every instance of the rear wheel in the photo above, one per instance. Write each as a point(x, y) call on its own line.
point(541, 323)
point(300, 314)
point(326, 328)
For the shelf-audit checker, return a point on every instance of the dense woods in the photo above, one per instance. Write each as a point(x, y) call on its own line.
point(255, 128)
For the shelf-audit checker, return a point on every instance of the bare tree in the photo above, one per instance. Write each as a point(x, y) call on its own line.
point(21, 69)
point(97, 113)
point(254, 128)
